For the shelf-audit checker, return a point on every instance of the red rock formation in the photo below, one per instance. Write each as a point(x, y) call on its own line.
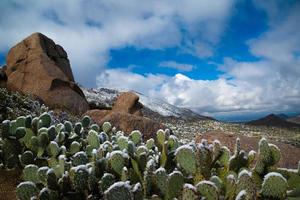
point(40, 67)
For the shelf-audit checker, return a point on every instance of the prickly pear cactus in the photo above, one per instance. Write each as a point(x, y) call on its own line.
point(185, 157)
point(117, 161)
point(118, 191)
point(189, 192)
point(274, 186)
point(84, 161)
point(208, 190)
point(26, 190)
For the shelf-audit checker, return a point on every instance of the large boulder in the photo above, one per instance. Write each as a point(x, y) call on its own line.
point(128, 123)
point(40, 67)
point(128, 102)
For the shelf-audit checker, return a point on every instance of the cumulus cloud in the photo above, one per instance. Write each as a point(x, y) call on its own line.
point(269, 84)
point(176, 65)
point(88, 30)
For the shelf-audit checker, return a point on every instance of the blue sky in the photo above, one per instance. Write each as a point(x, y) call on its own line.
point(228, 59)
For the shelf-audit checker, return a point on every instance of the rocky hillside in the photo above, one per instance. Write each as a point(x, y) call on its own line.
point(274, 121)
point(153, 107)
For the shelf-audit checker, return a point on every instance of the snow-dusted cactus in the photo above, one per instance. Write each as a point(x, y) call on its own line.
point(106, 181)
point(185, 157)
point(26, 190)
point(93, 139)
point(44, 120)
point(117, 162)
point(160, 138)
point(242, 195)
point(78, 128)
point(86, 121)
point(42, 174)
point(74, 147)
point(80, 158)
point(118, 191)
point(268, 155)
point(245, 182)
point(175, 184)
point(136, 137)
point(189, 192)
point(150, 143)
point(122, 142)
point(81, 177)
point(68, 126)
point(160, 181)
point(274, 186)
point(208, 190)
point(230, 187)
point(106, 127)
point(53, 149)
point(30, 173)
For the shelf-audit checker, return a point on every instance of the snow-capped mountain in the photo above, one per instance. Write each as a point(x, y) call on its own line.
point(104, 98)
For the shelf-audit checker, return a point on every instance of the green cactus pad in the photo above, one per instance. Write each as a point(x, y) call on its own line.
point(44, 120)
point(189, 192)
point(53, 149)
point(175, 184)
point(106, 181)
point(42, 174)
point(74, 147)
point(68, 126)
point(117, 162)
point(274, 186)
point(47, 194)
point(27, 158)
point(86, 121)
point(26, 190)
point(93, 139)
point(150, 143)
point(118, 191)
point(106, 127)
point(160, 182)
point(30, 173)
point(80, 158)
point(136, 137)
point(246, 182)
point(186, 159)
point(208, 190)
point(81, 177)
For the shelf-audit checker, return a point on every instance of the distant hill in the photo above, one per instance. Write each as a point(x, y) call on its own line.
point(273, 120)
point(282, 116)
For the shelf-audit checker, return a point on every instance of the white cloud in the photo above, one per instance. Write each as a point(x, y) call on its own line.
point(269, 84)
point(176, 65)
point(88, 30)
point(125, 80)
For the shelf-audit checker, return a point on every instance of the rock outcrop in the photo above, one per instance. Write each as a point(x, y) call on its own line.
point(126, 115)
point(128, 102)
point(40, 67)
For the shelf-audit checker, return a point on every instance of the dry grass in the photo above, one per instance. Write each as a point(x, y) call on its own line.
point(9, 179)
